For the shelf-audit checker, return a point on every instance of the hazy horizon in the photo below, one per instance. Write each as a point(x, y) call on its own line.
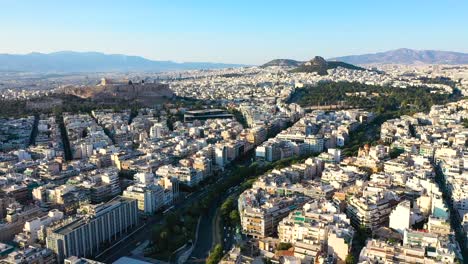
point(220, 62)
point(239, 32)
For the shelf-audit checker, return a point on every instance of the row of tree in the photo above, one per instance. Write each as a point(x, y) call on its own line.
point(229, 212)
point(181, 224)
point(215, 255)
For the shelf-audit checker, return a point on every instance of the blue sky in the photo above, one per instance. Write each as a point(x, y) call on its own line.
point(232, 31)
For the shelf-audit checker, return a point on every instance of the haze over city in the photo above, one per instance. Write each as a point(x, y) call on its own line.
point(243, 32)
point(233, 132)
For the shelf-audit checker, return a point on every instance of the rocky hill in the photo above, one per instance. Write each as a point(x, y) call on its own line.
point(146, 93)
point(320, 66)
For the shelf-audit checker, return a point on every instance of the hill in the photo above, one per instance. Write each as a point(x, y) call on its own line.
point(70, 61)
point(282, 63)
point(108, 90)
point(320, 66)
point(408, 56)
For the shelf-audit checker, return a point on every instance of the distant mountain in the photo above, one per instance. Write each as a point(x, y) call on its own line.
point(70, 61)
point(320, 66)
point(282, 63)
point(408, 56)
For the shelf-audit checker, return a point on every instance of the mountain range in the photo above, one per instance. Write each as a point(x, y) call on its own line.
point(407, 56)
point(70, 61)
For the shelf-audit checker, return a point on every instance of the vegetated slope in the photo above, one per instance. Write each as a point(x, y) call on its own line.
point(282, 63)
point(379, 99)
point(320, 66)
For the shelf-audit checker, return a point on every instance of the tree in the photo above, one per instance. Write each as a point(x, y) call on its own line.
point(465, 122)
point(205, 203)
point(234, 217)
point(216, 255)
point(172, 219)
point(387, 98)
point(283, 246)
point(350, 259)
point(226, 207)
point(394, 153)
point(163, 235)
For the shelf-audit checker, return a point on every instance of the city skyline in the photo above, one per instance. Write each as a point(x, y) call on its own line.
point(228, 132)
point(247, 33)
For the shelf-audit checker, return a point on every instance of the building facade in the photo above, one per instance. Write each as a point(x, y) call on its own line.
point(96, 229)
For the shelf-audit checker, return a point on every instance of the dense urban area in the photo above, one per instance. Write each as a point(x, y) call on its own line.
point(261, 164)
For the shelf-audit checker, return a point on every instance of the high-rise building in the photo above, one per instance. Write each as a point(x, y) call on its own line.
point(96, 226)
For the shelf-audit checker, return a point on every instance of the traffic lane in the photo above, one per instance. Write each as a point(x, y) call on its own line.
point(228, 238)
point(207, 228)
point(204, 242)
point(125, 249)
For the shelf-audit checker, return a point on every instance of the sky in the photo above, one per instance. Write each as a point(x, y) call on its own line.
point(232, 31)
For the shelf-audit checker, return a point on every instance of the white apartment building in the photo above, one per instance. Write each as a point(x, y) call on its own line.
point(400, 217)
point(150, 197)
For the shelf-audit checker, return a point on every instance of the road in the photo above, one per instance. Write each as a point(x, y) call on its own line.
point(229, 237)
point(201, 250)
point(207, 233)
point(205, 237)
point(208, 225)
point(125, 247)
